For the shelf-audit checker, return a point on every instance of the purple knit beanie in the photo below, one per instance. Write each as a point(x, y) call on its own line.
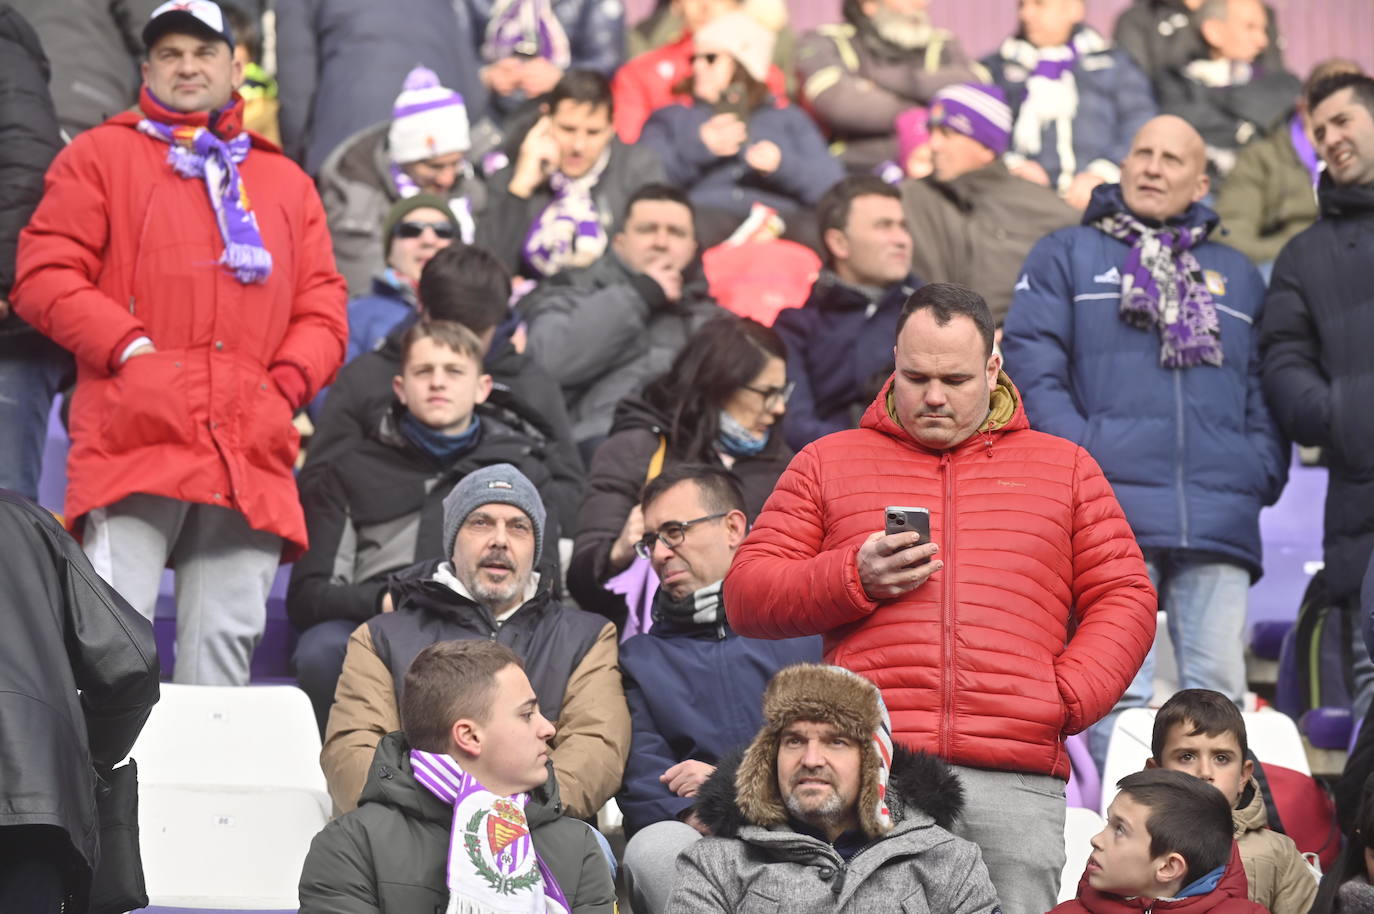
point(977, 111)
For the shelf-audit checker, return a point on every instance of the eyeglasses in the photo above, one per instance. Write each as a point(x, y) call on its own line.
point(442, 230)
point(773, 397)
point(671, 534)
point(709, 57)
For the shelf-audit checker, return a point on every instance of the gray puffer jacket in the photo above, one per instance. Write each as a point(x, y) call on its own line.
point(916, 868)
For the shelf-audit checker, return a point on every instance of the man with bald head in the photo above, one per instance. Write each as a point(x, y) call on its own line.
point(1136, 336)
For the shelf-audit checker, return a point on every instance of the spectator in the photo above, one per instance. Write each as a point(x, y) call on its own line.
point(1349, 886)
point(654, 79)
point(1076, 101)
point(422, 149)
point(198, 325)
point(1223, 94)
point(1160, 35)
point(322, 44)
point(67, 630)
point(1164, 390)
point(473, 749)
point(32, 368)
point(820, 783)
point(733, 147)
point(837, 342)
point(972, 221)
point(603, 331)
point(378, 508)
point(261, 104)
point(859, 76)
point(549, 210)
point(1268, 197)
point(717, 404)
point(1036, 575)
point(1314, 322)
point(1200, 732)
point(494, 526)
point(1166, 847)
point(692, 684)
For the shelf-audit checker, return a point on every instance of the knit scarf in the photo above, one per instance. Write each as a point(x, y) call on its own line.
point(460, 205)
point(442, 447)
point(701, 607)
point(568, 233)
point(738, 441)
point(195, 152)
point(526, 28)
point(492, 864)
point(1162, 286)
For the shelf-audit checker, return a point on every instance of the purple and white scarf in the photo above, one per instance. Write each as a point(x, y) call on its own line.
point(492, 864)
point(526, 28)
point(568, 233)
point(1162, 286)
point(195, 152)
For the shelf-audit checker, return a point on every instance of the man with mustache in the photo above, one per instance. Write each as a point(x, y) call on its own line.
point(494, 533)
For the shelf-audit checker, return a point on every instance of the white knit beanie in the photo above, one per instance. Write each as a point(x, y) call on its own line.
point(742, 37)
point(427, 120)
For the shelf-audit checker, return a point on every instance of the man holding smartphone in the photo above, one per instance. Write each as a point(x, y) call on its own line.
point(1019, 620)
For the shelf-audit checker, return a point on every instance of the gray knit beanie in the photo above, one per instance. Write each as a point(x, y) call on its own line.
point(500, 484)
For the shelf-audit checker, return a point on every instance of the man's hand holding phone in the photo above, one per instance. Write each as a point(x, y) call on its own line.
point(898, 559)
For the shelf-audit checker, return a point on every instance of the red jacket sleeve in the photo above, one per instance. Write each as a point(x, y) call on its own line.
point(1114, 602)
point(781, 585)
point(633, 103)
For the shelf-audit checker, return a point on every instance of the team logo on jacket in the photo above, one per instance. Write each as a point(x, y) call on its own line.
point(1216, 282)
point(1022, 284)
point(1111, 278)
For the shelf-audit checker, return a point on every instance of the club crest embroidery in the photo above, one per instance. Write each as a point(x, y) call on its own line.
point(1216, 282)
point(498, 849)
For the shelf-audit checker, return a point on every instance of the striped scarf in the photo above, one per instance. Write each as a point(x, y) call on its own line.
point(526, 28)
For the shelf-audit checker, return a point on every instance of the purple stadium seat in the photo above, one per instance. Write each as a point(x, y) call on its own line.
point(1328, 728)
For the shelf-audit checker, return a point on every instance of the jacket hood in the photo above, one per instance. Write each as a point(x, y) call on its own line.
point(15, 28)
point(1008, 415)
point(1233, 885)
point(1251, 814)
point(1108, 200)
point(636, 412)
point(919, 787)
point(1339, 201)
point(830, 293)
point(391, 782)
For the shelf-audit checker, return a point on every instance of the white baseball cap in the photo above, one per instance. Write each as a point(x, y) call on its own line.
point(192, 17)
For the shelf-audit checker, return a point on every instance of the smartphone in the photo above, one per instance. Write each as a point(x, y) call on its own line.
point(904, 520)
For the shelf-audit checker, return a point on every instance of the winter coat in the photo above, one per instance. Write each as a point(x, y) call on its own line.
point(390, 855)
point(1318, 318)
point(1193, 453)
point(839, 351)
point(373, 316)
point(977, 229)
point(856, 84)
point(1228, 117)
point(1114, 101)
point(1227, 898)
point(695, 691)
point(1159, 35)
point(508, 218)
point(618, 473)
point(1276, 874)
point(1267, 198)
point(379, 507)
point(526, 397)
point(78, 678)
point(321, 45)
point(649, 82)
point(358, 192)
point(603, 332)
point(728, 183)
point(123, 247)
point(918, 866)
point(569, 655)
point(1040, 617)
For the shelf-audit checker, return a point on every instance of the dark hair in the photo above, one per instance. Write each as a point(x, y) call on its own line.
point(585, 87)
point(1188, 817)
point(719, 488)
point(945, 300)
point(1362, 86)
point(1210, 713)
point(467, 285)
point(1350, 864)
point(1332, 66)
point(449, 333)
point(244, 28)
point(656, 192)
point(833, 210)
point(449, 681)
point(724, 354)
point(748, 92)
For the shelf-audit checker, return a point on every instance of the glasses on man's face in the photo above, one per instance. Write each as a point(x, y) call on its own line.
point(671, 534)
point(442, 230)
point(773, 397)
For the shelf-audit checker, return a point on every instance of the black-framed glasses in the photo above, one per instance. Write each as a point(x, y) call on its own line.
point(773, 397)
point(442, 230)
point(671, 534)
point(709, 57)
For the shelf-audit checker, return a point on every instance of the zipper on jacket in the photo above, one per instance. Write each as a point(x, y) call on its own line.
point(1179, 463)
point(947, 608)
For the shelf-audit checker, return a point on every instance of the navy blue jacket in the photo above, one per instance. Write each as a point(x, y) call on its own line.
point(836, 345)
point(695, 692)
point(806, 172)
point(1193, 454)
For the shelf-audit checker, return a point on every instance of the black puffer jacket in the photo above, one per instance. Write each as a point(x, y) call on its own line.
point(391, 854)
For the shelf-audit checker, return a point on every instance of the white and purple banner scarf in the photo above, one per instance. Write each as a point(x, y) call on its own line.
point(526, 28)
point(568, 232)
point(492, 864)
point(195, 152)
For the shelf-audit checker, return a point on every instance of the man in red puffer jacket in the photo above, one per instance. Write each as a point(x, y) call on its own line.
point(1021, 620)
point(186, 264)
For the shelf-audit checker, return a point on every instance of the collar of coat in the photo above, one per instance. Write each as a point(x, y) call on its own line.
point(226, 123)
point(1005, 413)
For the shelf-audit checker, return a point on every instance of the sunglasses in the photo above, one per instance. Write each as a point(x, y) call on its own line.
point(442, 230)
point(710, 57)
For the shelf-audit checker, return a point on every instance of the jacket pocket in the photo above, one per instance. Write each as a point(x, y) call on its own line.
point(755, 902)
point(146, 404)
point(270, 440)
point(916, 902)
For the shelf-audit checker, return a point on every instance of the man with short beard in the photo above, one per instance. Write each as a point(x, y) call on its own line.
point(494, 525)
point(858, 76)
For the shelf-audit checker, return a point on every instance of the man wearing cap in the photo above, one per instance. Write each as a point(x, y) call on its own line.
point(422, 149)
point(185, 263)
point(972, 221)
point(493, 534)
point(823, 813)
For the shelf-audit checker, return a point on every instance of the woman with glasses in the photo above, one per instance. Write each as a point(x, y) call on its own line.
point(720, 404)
